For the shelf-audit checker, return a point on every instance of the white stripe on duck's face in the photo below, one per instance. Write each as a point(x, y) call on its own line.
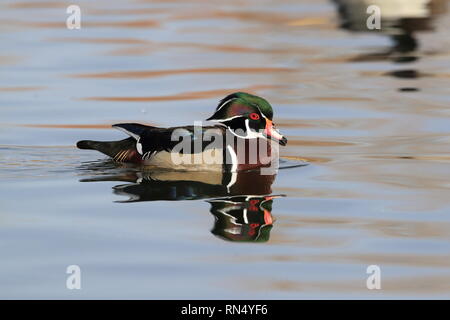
point(243, 127)
point(225, 103)
point(246, 129)
point(251, 134)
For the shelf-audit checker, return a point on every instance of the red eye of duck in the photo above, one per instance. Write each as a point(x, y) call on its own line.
point(254, 116)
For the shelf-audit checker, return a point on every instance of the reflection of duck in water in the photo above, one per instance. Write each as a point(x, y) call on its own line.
point(243, 128)
point(188, 186)
point(240, 202)
point(400, 19)
point(243, 218)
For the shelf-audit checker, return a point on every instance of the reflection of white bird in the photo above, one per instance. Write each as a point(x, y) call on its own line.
point(401, 9)
point(353, 13)
point(399, 19)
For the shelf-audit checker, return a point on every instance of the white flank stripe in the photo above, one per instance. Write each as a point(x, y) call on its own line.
point(234, 166)
point(139, 147)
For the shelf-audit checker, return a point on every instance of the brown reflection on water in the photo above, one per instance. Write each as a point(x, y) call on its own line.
point(386, 228)
point(427, 260)
point(317, 22)
point(438, 158)
point(248, 16)
point(144, 50)
point(126, 11)
point(78, 126)
point(159, 73)
point(37, 5)
point(145, 47)
point(144, 23)
point(405, 74)
point(428, 284)
point(341, 99)
point(349, 123)
point(18, 89)
point(308, 159)
point(322, 193)
point(9, 60)
point(195, 95)
point(317, 143)
point(111, 40)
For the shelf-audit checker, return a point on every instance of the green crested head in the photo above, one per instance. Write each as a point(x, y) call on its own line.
point(241, 104)
point(247, 116)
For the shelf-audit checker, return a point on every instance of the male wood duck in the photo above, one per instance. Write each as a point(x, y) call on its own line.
point(247, 118)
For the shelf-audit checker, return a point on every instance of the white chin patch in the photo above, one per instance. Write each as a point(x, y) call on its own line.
point(250, 133)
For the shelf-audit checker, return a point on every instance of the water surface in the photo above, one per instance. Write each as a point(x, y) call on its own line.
point(368, 111)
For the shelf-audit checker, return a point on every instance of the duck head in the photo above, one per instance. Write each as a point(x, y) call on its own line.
point(247, 116)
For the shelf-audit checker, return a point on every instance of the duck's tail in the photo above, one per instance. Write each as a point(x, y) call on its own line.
point(122, 150)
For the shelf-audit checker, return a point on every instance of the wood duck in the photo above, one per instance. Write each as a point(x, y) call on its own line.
point(246, 118)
